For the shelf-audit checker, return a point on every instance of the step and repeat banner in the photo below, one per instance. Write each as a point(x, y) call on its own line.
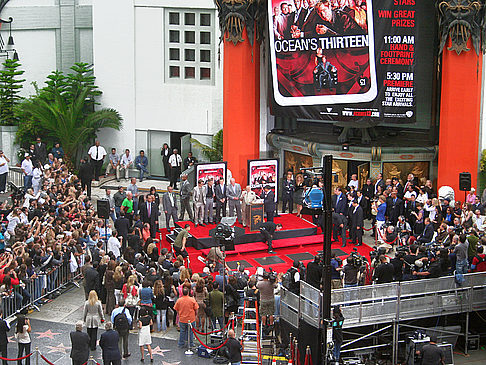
point(346, 59)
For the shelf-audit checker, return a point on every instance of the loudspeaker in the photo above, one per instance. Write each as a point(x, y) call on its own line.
point(464, 181)
point(103, 208)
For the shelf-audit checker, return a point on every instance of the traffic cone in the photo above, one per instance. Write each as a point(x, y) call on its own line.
point(290, 362)
point(274, 361)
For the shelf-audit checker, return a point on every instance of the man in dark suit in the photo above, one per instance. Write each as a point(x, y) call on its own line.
point(165, 152)
point(368, 193)
point(398, 186)
point(428, 234)
point(91, 279)
point(394, 206)
point(410, 209)
point(79, 345)
point(185, 193)
point(362, 202)
point(149, 213)
point(109, 346)
point(379, 182)
point(85, 174)
point(339, 223)
point(269, 205)
point(40, 150)
point(4, 328)
point(356, 216)
point(339, 201)
point(220, 195)
point(122, 224)
point(170, 207)
point(268, 230)
point(288, 188)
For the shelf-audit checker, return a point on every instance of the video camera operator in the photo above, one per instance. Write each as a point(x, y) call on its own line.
point(266, 285)
point(314, 272)
point(384, 272)
point(336, 282)
point(351, 272)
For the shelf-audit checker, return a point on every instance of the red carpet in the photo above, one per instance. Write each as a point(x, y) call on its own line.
point(288, 221)
point(310, 244)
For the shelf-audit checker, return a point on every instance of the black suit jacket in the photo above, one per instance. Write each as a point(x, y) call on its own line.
point(341, 206)
point(394, 209)
point(40, 152)
point(356, 217)
point(154, 213)
point(85, 172)
point(79, 346)
point(364, 203)
point(428, 234)
point(109, 345)
point(4, 328)
point(369, 191)
point(122, 225)
point(268, 201)
point(219, 192)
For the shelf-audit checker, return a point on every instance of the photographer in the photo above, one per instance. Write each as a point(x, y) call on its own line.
point(314, 272)
point(403, 230)
point(433, 271)
point(384, 272)
point(266, 286)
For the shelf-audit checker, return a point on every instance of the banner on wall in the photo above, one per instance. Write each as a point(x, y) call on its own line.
point(215, 171)
point(344, 59)
point(262, 173)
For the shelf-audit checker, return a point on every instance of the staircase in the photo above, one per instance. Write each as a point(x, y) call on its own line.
point(250, 334)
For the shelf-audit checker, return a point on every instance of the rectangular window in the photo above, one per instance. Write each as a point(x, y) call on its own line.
point(190, 38)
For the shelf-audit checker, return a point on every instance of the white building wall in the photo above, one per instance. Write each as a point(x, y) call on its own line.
point(130, 63)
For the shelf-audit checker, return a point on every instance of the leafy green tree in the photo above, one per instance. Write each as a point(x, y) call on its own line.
point(10, 87)
point(214, 152)
point(64, 111)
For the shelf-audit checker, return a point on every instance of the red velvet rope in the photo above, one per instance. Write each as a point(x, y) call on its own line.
point(20, 358)
point(381, 236)
point(369, 229)
point(209, 348)
point(215, 331)
point(47, 361)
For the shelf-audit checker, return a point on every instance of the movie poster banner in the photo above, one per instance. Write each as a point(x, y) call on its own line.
point(262, 173)
point(343, 59)
point(215, 171)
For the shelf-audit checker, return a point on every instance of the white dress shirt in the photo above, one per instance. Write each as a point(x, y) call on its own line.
point(27, 167)
point(126, 160)
point(175, 160)
point(3, 168)
point(97, 153)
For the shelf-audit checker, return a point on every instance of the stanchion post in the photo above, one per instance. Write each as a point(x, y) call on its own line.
point(36, 355)
point(189, 351)
point(91, 360)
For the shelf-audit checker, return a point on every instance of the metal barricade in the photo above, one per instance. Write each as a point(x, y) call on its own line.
point(15, 176)
point(37, 288)
point(289, 307)
point(374, 304)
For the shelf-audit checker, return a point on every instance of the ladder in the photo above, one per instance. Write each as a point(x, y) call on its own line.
point(250, 334)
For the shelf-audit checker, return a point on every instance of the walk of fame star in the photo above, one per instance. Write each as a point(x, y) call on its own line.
point(59, 348)
point(158, 351)
point(47, 334)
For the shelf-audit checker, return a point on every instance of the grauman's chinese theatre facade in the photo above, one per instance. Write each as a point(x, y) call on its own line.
point(392, 86)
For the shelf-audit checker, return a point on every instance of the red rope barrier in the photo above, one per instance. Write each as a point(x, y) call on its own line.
point(367, 230)
point(47, 361)
point(20, 358)
point(210, 333)
point(384, 240)
point(209, 348)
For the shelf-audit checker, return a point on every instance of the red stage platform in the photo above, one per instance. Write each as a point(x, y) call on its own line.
point(292, 227)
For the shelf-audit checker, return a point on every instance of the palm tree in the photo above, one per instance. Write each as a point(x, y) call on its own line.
point(213, 152)
point(67, 120)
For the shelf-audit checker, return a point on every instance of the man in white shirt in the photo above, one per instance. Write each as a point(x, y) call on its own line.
point(3, 172)
point(97, 154)
point(27, 168)
point(354, 182)
point(479, 220)
point(113, 245)
point(126, 163)
point(175, 162)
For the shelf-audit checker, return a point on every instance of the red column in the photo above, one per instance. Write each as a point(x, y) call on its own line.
point(241, 106)
point(460, 117)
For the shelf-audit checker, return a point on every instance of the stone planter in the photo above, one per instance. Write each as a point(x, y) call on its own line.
point(7, 143)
